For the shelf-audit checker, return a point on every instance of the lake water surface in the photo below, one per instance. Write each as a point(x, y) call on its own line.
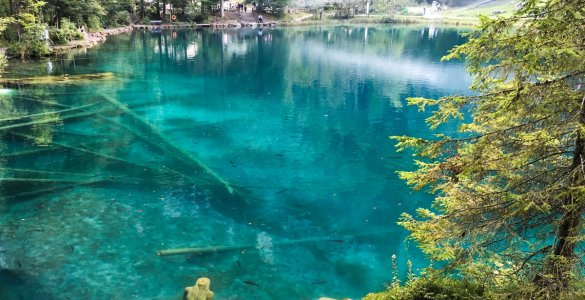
point(273, 143)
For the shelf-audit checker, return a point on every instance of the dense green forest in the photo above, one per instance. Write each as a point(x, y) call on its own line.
point(507, 220)
point(29, 27)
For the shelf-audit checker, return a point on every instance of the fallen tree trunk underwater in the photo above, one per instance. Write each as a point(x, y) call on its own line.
point(28, 152)
point(48, 113)
point(46, 172)
point(218, 249)
point(112, 158)
point(58, 80)
point(164, 143)
point(50, 103)
point(162, 148)
point(83, 113)
point(168, 144)
point(87, 151)
point(51, 120)
point(28, 194)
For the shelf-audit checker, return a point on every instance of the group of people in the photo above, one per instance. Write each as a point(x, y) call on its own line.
point(434, 11)
point(241, 7)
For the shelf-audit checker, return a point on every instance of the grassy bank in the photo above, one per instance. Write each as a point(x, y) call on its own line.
point(396, 19)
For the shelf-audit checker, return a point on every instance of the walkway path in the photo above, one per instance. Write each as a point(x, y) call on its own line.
point(248, 17)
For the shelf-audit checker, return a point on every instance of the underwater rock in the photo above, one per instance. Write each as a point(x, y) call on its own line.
point(200, 291)
point(264, 246)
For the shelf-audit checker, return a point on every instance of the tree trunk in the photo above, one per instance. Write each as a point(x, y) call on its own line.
point(221, 8)
point(164, 10)
point(141, 9)
point(368, 8)
point(568, 227)
point(569, 224)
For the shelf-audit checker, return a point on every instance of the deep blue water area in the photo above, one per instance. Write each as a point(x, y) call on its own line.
point(271, 142)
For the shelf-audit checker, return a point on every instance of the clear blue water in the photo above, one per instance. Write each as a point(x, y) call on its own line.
point(225, 138)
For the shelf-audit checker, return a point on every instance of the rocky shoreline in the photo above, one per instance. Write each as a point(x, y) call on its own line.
point(92, 39)
point(95, 38)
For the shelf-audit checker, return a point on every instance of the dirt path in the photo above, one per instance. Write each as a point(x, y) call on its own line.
point(249, 17)
point(245, 17)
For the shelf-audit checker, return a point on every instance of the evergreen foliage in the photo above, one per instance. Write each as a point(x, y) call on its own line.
point(432, 288)
point(510, 186)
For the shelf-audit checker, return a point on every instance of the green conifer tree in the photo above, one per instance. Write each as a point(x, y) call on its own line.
point(510, 186)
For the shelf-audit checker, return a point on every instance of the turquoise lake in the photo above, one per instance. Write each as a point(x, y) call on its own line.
point(271, 143)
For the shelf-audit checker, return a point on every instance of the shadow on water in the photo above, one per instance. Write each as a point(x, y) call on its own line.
point(15, 285)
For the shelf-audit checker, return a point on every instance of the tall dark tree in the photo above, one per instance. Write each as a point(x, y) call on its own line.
point(141, 9)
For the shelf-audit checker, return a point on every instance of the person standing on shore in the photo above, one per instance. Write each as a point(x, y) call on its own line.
point(46, 36)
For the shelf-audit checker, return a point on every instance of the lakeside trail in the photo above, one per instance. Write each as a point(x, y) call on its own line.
point(248, 17)
point(235, 19)
point(96, 37)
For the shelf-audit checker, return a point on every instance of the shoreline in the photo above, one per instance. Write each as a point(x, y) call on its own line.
point(92, 39)
point(95, 38)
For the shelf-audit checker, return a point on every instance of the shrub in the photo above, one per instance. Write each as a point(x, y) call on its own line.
point(77, 36)
point(34, 48)
point(200, 18)
point(65, 35)
point(57, 36)
point(67, 25)
point(94, 23)
point(30, 45)
point(146, 20)
point(432, 288)
point(122, 18)
point(3, 61)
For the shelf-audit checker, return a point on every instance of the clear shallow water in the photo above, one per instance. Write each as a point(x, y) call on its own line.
point(295, 122)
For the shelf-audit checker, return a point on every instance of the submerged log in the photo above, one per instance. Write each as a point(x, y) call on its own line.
point(45, 102)
point(168, 144)
point(57, 80)
point(205, 250)
point(55, 119)
point(161, 147)
point(29, 194)
point(28, 152)
point(217, 249)
point(43, 172)
point(109, 157)
point(44, 180)
point(94, 153)
point(48, 113)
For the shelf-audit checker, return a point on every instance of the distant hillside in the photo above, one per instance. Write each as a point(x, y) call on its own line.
point(460, 3)
point(473, 8)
